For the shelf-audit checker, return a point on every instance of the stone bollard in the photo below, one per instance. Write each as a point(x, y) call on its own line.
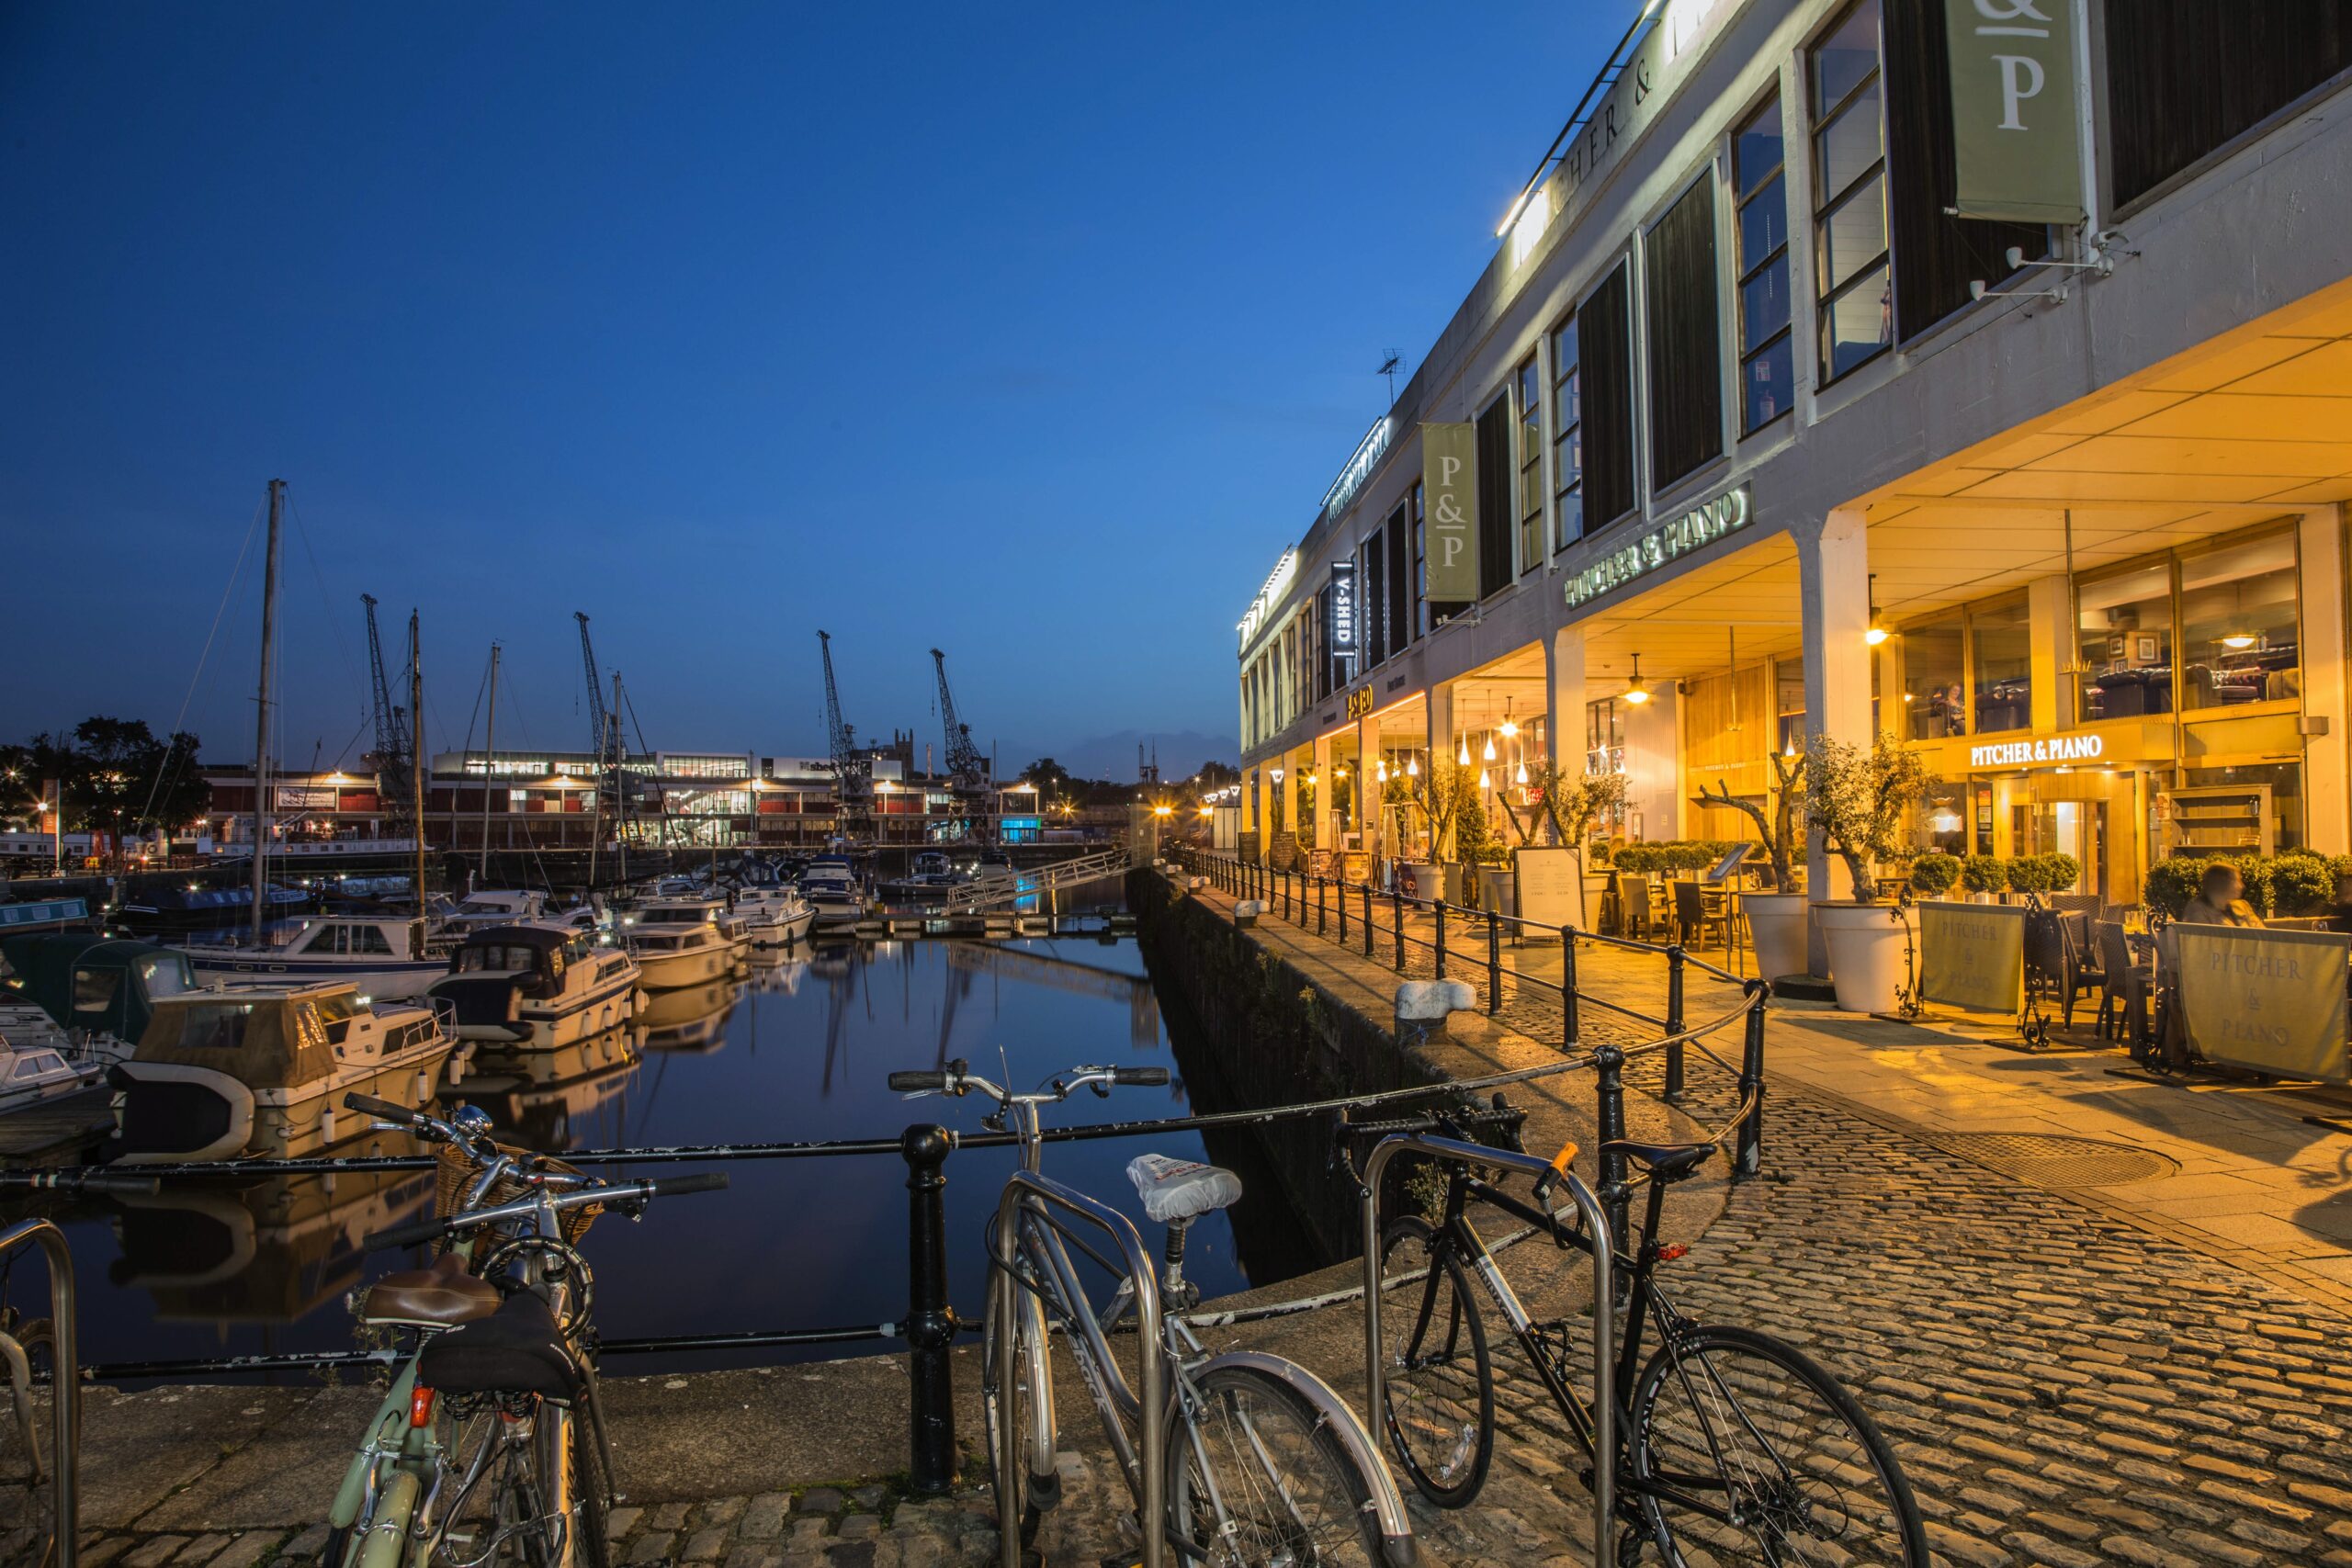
point(1426, 1004)
point(1245, 913)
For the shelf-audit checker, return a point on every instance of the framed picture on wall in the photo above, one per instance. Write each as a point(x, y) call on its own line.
point(2143, 650)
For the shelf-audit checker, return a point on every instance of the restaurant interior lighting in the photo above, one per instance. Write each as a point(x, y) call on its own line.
point(1412, 767)
point(1482, 780)
point(1489, 755)
point(1635, 692)
point(1510, 730)
point(1462, 758)
point(1521, 777)
point(2238, 640)
point(1876, 634)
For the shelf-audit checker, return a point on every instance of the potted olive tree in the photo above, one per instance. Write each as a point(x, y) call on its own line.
point(1858, 799)
point(1446, 794)
point(1776, 920)
point(1571, 803)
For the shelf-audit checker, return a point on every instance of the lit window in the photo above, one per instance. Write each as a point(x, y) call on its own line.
point(1567, 438)
point(1527, 389)
point(1767, 373)
point(1852, 278)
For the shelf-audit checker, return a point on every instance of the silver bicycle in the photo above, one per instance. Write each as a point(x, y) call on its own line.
point(1245, 1460)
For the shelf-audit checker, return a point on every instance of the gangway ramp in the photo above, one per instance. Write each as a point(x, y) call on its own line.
point(992, 891)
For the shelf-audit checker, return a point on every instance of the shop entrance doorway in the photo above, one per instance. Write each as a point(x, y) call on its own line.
point(2076, 828)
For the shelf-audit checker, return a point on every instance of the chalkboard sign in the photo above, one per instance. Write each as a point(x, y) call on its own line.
point(1728, 866)
point(1551, 891)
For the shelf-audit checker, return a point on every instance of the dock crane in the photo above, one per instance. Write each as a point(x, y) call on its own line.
point(614, 787)
point(853, 770)
point(967, 768)
point(395, 755)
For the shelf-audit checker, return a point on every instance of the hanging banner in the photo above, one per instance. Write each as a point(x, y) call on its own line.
point(2270, 1000)
point(2015, 149)
point(1450, 495)
point(1973, 956)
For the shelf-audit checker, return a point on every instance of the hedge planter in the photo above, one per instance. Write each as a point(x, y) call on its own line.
point(1866, 946)
point(1776, 921)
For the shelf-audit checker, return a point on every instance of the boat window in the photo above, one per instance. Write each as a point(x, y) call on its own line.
point(337, 1005)
point(40, 1062)
point(499, 957)
point(218, 1026)
point(167, 975)
point(369, 939)
point(94, 989)
point(555, 964)
point(308, 1028)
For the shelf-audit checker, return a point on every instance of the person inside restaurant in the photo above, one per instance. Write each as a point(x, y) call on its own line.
point(2221, 899)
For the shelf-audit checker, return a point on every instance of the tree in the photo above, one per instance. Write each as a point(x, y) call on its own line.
point(1050, 776)
point(1779, 831)
point(117, 776)
point(1217, 775)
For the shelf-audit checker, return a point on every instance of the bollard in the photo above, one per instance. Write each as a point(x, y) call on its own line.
point(1674, 1024)
point(1494, 963)
point(930, 1328)
point(1567, 987)
point(1322, 917)
point(1397, 898)
point(1437, 909)
point(1367, 919)
point(1610, 1092)
point(1748, 1147)
point(1340, 898)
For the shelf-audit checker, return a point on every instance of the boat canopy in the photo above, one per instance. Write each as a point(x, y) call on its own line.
point(106, 984)
point(265, 1039)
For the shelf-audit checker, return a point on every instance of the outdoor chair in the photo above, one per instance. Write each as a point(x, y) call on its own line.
point(2123, 1000)
point(1691, 916)
point(2054, 954)
point(1635, 912)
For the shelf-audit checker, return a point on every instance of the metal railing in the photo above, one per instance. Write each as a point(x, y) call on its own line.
point(64, 1408)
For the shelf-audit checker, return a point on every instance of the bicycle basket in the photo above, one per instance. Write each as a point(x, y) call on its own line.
point(455, 1173)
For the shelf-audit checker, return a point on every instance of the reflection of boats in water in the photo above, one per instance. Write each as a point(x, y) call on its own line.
point(691, 1018)
point(774, 970)
point(1036, 967)
point(550, 1099)
point(268, 1252)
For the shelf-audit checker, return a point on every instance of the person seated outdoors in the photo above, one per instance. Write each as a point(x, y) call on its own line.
point(2221, 899)
point(2339, 913)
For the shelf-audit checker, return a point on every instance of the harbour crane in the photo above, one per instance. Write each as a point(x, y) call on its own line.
point(852, 771)
point(614, 787)
point(605, 739)
point(967, 769)
point(395, 757)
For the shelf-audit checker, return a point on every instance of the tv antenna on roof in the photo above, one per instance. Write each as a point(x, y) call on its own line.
point(1388, 368)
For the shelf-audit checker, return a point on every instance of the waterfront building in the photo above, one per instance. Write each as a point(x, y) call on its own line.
point(1768, 441)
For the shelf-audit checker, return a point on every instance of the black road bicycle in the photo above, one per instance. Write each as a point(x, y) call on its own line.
point(1733, 1446)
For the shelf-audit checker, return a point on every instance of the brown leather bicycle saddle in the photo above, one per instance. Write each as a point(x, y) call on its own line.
point(517, 1349)
point(442, 1296)
point(1666, 1162)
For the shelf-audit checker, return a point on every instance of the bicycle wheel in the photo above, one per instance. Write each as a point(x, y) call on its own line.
point(1255, 1479)
point(1745, 1450)
point(564, 1447)
point(1017, 1469)
point(1438, 1385)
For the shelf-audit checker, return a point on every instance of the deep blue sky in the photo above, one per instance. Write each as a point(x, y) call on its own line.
point(1033, 331)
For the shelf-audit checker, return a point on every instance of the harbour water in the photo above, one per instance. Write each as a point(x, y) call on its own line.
point(797, 1050)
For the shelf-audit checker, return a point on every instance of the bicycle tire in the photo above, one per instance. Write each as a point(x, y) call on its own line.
point(1778, 1432)
point(1326, 1498)
point(1009, 1476)
point(1443, 1433)
point(584, 1538)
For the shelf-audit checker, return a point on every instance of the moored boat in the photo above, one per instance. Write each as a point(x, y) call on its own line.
point(684, 941)
point(101, 990)
point(536, 986)
point(384, 957)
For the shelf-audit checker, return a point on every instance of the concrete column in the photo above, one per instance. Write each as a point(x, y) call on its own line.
point(2049, 629)
point(1368, 785)
point(1326, 793)
point(1287, 792)
point(2327, 811)
point(1439, 707)
point(1564, 698)
point(1833, 569)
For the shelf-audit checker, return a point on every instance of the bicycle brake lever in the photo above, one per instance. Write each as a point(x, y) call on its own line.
point(1101, 1090)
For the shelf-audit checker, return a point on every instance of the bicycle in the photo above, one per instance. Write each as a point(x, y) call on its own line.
point(1234, 1461)
point(475, 1453)
point(1730, 1446)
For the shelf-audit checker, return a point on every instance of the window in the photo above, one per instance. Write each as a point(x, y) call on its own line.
point(1527, 390)
point(2002, 648)
point(1494, 510)
point(1400, 582)
point(1932, 679)
point(1604, 737)
point(214, 1026)
point(94, 989)
point(1568, 437)
point(1372, 601)
point(1685, 347)
point(1422, 622)
point(1857, 320)
point(2238, 624)
point(1605, 343)
point(1788, 705)
point(369, 939)
point(2123, 634)
point(1767, 367)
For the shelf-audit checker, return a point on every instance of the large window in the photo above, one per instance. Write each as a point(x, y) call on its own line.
point(1372, 601)
point(1767, 371)
point(2002, 645)
point(1851, 275)
point(1933, 672)
point(1685, 341)
point(1568, 437)
point(1605, 340)
point(2125, 640)
point(1400, 580)
point(1494, 506)
point(2238, 624)
point(1527, 390)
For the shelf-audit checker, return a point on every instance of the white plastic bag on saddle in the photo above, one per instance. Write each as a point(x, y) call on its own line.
point(1174, 1190)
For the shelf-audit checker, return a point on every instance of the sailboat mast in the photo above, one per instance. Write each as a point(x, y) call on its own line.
point(620, 789)
point(489, 759)
point(261, 721)
point(417, 771)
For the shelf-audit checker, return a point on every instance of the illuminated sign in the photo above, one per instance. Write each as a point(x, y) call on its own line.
point(1270, 596)
point(1342, 626)
point(1360, 702)
point(2031, 754)
point(1703, 525)
point(1369, 451)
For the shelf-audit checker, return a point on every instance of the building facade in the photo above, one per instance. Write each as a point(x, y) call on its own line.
point(1769, 442)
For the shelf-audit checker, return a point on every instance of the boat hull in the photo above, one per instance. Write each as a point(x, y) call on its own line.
point(393, 980)
point(667, 971)
point(171, 1112)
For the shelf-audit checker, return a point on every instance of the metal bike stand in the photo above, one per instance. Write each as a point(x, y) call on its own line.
point(1024, 1188)
point(65, 1416)
point(1604, 1322)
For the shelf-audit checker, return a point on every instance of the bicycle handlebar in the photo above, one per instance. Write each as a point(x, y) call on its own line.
point(608, 1194)
point(917, 1083)
point(956, 1079)
point(381, 1110)
point(74, 1181)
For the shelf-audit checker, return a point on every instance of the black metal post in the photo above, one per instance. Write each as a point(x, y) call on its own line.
point(1396, 900)
point(1437, 909)
point(1367, 919)
point(1567, 987)
point(930, 1328)
point(1674, 1024)
point(1494, 962)
point(1747, 1146)
point(1340, 898)
point(1610, 1093)
point(1322, 915)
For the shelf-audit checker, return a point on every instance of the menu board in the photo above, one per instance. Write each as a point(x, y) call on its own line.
point(1551, 890)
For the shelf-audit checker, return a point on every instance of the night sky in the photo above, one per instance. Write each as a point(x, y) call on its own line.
point(1031, 331)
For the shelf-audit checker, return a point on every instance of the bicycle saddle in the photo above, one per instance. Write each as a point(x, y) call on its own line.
point(517, 1349)
point(1666, 1162)
point(1181, 1189)
point(439, 1297)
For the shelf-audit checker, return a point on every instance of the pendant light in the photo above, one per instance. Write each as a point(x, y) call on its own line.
point(1482, 780)
point(1521, 776)
point(2239, 637)
point(1461, 759)
point(1412, 767)
point(1876, 634)
point(1636, 692)
point(1489, 755)
point(1382, 776)
point(1510, 730)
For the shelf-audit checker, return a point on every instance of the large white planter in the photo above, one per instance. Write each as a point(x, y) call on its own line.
point(1499, 891)
point(1776, 922)
point(1866, 946)
point(1420, 879)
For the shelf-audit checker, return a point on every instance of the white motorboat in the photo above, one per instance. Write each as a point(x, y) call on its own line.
point(537, 985)
point(494, 907)
point(34, 1068)
point(262, 1073)
point(387, 958)
point(775, 915)
point(685, 942)
point(833, 895)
